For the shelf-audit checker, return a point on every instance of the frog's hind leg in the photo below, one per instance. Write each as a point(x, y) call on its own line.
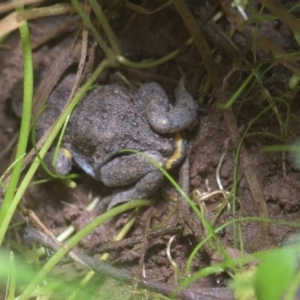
point(164, 117)
point(134, 170)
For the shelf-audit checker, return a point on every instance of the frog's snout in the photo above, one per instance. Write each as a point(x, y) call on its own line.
point(63, 163)
point(60, 163)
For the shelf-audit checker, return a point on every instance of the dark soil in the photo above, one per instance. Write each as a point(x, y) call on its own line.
point(273, 173)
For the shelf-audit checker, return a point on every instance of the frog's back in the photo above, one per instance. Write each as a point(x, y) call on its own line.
point(110, 119)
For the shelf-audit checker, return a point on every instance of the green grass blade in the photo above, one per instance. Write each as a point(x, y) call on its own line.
point(7, 209)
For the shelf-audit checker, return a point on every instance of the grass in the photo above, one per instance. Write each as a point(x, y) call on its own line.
point(248, 277)
point(9, 205)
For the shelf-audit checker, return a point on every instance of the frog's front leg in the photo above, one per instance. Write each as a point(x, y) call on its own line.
point(134, 171)
point(162, 116)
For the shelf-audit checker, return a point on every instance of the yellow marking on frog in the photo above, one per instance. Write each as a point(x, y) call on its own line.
point(178, 151)
point(66, 153)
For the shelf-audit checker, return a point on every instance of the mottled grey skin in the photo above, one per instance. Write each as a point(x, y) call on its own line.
point(111, 118)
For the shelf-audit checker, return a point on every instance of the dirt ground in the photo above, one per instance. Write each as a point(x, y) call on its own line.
point(267, 183)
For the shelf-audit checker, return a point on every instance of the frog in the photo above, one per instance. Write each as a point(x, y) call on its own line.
point(112, 118)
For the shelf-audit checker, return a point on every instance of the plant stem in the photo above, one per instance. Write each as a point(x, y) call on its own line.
point(106, 27)
point(159, 61)
point(87, 22)
point(75, 240)
point(7, 209)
